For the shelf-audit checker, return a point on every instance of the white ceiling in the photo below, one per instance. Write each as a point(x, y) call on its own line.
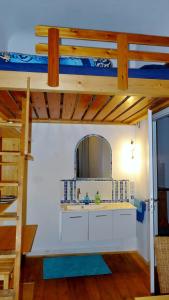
point(18, 18)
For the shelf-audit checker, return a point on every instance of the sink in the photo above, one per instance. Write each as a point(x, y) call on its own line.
point(101, 206)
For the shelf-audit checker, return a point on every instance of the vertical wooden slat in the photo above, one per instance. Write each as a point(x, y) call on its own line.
point(54, 105)
point(38, 102)
point(53, 57)
point(96, 106)
point(9, 102)
point(0, 161)
point(82, 105)
point(122, 61)
point(69, 106)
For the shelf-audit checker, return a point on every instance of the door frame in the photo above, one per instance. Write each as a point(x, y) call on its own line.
point(152, 137)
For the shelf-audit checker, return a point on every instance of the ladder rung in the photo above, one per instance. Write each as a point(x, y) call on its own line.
point(8, 216)
point(8, 163)
point(13, 153)
point(7, 294)
point(8, 183)
point(6, 267)
point(11, 124)
point(7, 254)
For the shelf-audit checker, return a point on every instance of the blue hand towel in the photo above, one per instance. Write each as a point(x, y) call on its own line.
point(141, 209)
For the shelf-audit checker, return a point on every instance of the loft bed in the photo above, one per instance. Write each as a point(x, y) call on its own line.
point(85, 93)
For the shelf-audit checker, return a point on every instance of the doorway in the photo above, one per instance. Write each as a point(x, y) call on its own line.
point(159, 186)
point(163, 175)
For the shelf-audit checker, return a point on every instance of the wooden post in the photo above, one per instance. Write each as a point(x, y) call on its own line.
point(53, 57)
point(122, 61)
point(0, 161)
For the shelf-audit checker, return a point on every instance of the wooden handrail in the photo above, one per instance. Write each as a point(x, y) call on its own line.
point(79, 51)
point(103, 36)
point(122, 53)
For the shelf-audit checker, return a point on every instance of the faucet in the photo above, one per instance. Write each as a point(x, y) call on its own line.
point(78, 194)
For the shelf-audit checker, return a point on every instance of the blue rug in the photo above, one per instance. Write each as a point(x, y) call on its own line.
point(74, 266)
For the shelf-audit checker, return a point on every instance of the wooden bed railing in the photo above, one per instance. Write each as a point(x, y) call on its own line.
point(122, 53)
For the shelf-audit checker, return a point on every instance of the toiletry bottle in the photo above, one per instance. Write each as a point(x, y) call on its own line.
point(86, 199)
point(97, 199)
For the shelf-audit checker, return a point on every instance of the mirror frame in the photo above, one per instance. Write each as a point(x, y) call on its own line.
point(75, 162)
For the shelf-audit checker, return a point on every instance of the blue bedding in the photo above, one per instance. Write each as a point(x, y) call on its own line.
point(79, 66)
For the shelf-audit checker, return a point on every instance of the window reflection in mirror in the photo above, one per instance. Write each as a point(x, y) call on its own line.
point(93, 158)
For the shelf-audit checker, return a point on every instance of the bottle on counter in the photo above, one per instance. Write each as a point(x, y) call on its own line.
point(86, 199)
point(97, 198)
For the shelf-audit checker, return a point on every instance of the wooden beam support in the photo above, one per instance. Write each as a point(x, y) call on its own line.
point(82, 84)
point(53, 57)
point(122, 61)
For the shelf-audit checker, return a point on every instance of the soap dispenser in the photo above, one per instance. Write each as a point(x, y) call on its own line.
point(97, 198)
point(86, 199)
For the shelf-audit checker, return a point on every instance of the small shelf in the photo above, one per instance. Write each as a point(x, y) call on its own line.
point(8, 216)
point(4, 205)
point(7, 237)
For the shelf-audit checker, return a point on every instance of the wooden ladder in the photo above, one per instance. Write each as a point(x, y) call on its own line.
point(20, 215)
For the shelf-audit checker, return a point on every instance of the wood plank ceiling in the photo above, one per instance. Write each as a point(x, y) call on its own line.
point(80, 108)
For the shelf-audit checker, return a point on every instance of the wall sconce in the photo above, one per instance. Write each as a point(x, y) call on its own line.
point(132, 150)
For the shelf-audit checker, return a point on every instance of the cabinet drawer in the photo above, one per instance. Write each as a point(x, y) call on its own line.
point(100, 226)
point(74, 226)
point(124, 223)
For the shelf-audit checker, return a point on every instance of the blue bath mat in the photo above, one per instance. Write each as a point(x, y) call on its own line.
point(74, 266)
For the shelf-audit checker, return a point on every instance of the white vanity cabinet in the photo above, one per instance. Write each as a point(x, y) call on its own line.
point(112, 229)
point(100, 225)
point(124, 223)
point(74, 226)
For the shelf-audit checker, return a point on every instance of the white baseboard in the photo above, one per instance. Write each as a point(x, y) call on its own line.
point(120, 246)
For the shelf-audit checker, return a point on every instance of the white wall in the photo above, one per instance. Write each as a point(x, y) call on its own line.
point(19, 17)
point(53, 147)
point(142, 187)
point(142, 190)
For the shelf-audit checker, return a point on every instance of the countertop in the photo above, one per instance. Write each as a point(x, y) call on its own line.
point(96, 207)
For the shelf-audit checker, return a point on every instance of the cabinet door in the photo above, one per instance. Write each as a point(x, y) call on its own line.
point(124, 223)
point(100, 226)
point(74, 226)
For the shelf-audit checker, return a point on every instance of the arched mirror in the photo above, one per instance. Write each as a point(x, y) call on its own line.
point(93, 158)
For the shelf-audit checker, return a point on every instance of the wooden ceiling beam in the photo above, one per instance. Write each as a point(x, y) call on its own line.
point(82, 84)
point(129, 102)
point(159, 104)
point(110, 106)
point(99, 101)
point(145, 102)
point(69, 106)
point(76, 122)
point(137, 117)
point(83, 103)
point(5, 113)
point(54, 103)
point(38, 101)
point(9, 103)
